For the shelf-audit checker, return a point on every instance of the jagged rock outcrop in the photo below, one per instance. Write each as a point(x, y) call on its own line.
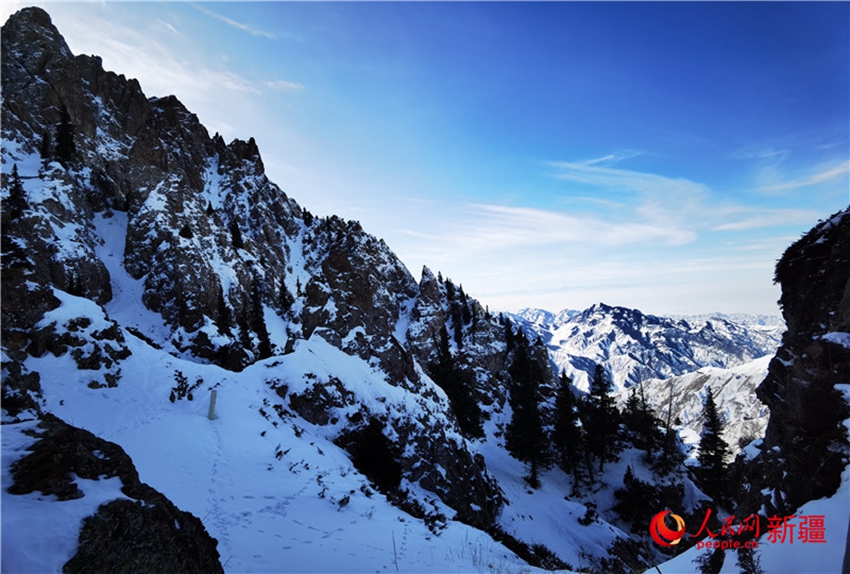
point(143, 532)
point(805, 448)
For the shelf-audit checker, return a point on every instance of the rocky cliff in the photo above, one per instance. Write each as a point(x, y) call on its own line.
point(805, 448)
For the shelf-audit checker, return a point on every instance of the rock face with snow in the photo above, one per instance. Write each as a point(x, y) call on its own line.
point(143, 531)
point(805, 447)
point(634, 347)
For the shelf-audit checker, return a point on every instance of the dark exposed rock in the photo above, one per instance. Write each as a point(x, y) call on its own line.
point(316, 404)
point(145, 534)
point(21, 390)
point(805, 448)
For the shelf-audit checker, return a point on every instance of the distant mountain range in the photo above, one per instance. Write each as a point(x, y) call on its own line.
point(634, 347)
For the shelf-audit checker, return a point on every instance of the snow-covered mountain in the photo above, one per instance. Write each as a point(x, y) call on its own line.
point(634, 347)
point(675, 359)
point(743, 414)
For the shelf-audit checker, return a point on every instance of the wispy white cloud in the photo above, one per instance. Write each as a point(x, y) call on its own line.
point(647, 239)
point(492, 225)
point(759, 153)
point(167, 26)
point(612, 157)
point(624, 180)
point(238, 25)
point(757, 217)
point(821, 176)
point(651, 200)
point(154, 57)
point(284, 86)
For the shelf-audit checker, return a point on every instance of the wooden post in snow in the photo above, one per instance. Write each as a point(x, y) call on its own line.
point(211, 414)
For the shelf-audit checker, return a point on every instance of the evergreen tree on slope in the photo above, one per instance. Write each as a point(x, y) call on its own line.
point(602, 420)
point(524, 437)
point(713, 451)
point(568, 435)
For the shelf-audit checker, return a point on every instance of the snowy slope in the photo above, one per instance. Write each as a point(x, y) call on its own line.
point(44, 544)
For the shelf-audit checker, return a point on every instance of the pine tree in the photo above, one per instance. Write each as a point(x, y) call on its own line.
point(45, 149)
point(671, 456)
point(223, 311)
point(710, 562)
point(466, 312)
point(567, 437)
point(259, 323)
point(286, 298)
point(632, 499)
point(524, 437)
point(509, 334)
point(458, 326)
point(458, 386)
point(450, 290)
point(713, 451)
point(66, 147)
point(236, 236)
point(602, 420)
point(748, 561)
point(17, 202)
point(640, 422)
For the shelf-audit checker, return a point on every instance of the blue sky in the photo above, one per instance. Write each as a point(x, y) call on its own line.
point(650, 155)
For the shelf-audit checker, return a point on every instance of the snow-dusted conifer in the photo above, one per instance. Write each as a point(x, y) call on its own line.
point(713, 451)
point(524, 437)
point(602, 420)
point(66, 147)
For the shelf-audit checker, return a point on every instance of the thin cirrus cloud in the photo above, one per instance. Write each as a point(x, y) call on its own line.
point(155, 60)
point(770, 218)
point(284, 86)
point(821, 176)
point(590, 172)
point(238, 25)
point(495, 225)
point(661, 206)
